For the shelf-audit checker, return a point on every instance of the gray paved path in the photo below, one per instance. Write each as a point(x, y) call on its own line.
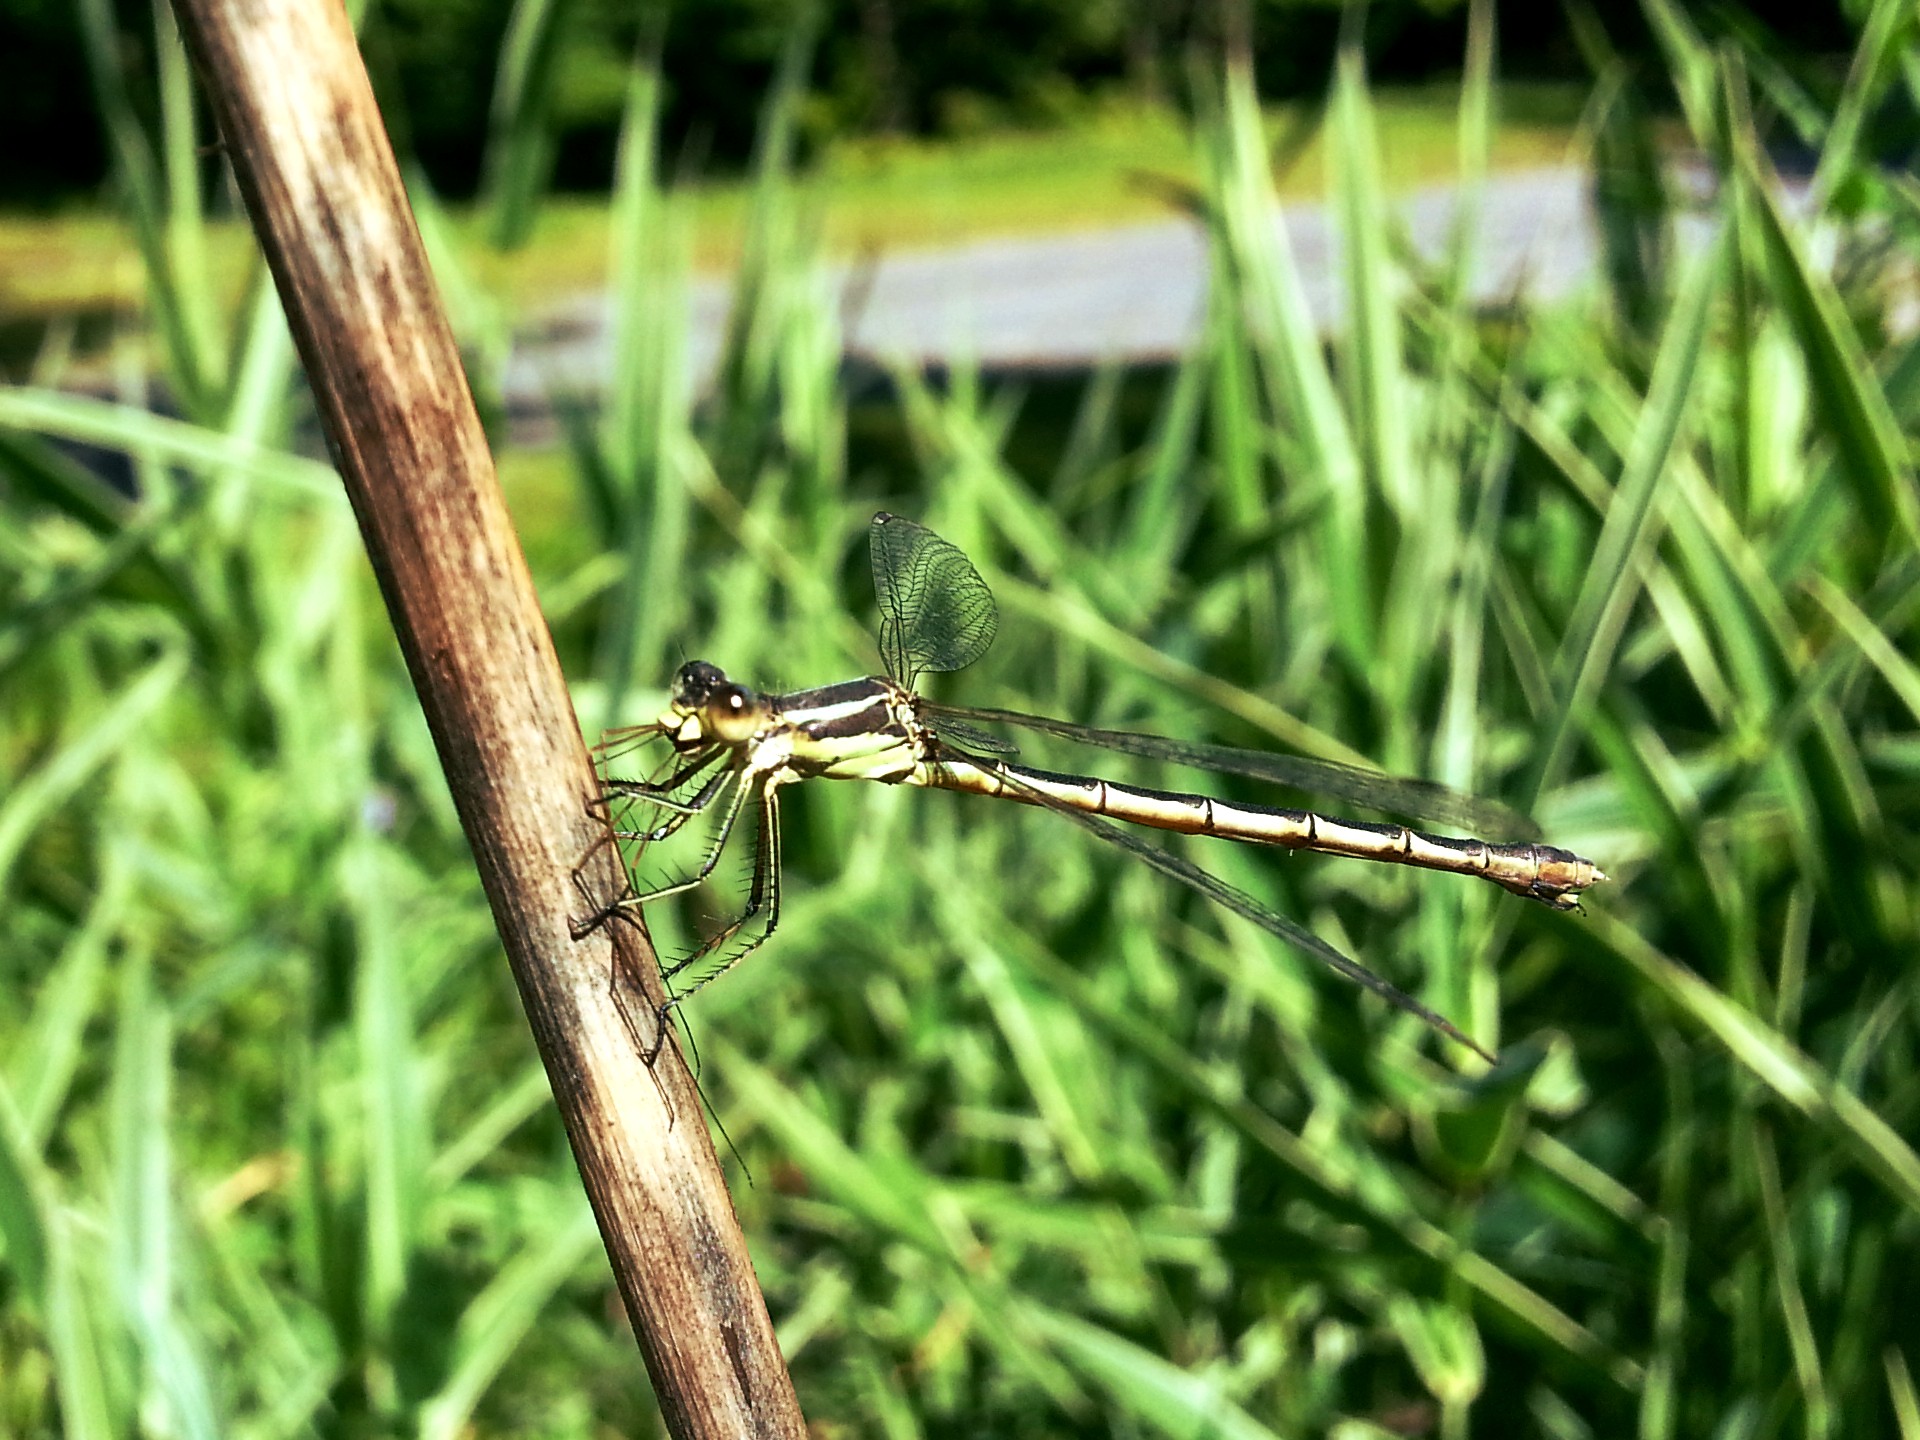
point(1134, 293)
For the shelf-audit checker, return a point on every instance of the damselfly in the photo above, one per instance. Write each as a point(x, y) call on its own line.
point(733, 750)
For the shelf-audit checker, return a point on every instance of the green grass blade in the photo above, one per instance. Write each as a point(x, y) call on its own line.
point(1885, 40)
point(1791, 1295)
point(1612, 582)
point(144, 1248)
point(886, 1192)
point(392, 1122)
point(1691, 70)
point(1876, 646)
point(1787, 1072)
point(1445, 1349)
point(500, 1316)
point(1168, 1400)
point(54, 783)
point(1876, 466)
point(164, 441)
point(42, 1068)
point(520, 122)
point(143, 194)
point(39, 1238)
point(26, 1203)
point(1901, 1391)
point(1378, 399)
point(1325, 1182)
point(186, 221)
point(647, 415)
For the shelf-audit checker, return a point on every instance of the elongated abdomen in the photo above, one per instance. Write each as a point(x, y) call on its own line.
point(1546, 873)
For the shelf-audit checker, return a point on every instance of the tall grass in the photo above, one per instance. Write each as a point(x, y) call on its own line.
point(1038, 1146)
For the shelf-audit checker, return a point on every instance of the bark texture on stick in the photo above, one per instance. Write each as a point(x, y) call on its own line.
point(312, 157)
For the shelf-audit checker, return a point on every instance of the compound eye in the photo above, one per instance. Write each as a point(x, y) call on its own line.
point(733, 714)
point(695, 683)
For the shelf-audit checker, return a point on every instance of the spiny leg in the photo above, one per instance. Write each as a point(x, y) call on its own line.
point(754, 898)
point(630, 900)
point(638, 898)
point(664, 1027)
point(579, 928)
point(621, 907)
point(763, 894)
point(679, 811)
point(660, 792)
point(619, 968)
point(597, 911)
point(618, 798)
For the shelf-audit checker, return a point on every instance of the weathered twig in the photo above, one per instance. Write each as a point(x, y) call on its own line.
point(313, 161)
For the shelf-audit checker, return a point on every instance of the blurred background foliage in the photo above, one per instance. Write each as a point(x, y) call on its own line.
point(952, 68)
point(1037, 1146)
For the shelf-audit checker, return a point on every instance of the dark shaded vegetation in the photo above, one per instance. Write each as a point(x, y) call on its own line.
point(943, 67)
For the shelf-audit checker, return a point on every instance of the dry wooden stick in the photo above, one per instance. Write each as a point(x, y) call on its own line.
point(313, 161)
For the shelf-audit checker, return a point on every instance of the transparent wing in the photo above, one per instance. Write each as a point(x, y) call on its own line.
point(1244, 905)
point(967, 737)
point(1414, 799)
point(936, 613)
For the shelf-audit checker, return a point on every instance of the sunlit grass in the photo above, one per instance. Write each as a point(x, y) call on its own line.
point(1042, 1146)
point(77, 261)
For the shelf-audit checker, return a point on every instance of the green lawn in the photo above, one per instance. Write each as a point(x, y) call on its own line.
point(1111, 167)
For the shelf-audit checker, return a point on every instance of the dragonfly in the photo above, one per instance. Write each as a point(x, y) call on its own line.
point(734, 749)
